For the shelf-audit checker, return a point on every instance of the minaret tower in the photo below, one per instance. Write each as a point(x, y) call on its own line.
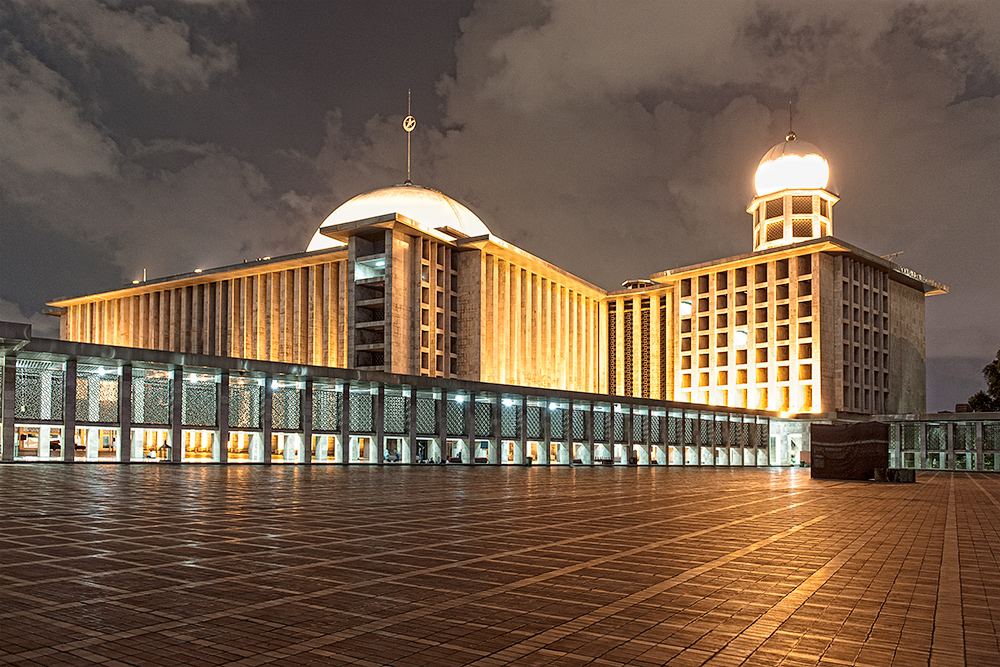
point(794, 199)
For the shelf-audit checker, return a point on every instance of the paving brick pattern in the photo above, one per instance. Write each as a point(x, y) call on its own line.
point(214, 565)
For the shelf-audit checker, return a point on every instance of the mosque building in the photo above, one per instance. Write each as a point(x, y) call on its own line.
point(406, 280)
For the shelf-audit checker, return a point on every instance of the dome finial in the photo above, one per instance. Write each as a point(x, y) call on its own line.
point(791, 135)
point(408, 124)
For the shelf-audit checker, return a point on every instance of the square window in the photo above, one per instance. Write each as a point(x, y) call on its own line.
point(702, 284)
point(721, 280)
point(741, 277)
point(783, 353)
point(741, 357)
point(781, 312)
point(741, 299)
point(782, 373)
point(741, 318)
point(805, 308)
point(721, 340)
point(805, 329)
point(805, 351)
point(782, 291)
point(760, 273)
point(685, 362)
point(721, 302)
point(722, 359)
point(761, 355)
point(721, 320)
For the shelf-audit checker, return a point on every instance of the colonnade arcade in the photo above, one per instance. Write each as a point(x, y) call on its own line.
point(102, 403)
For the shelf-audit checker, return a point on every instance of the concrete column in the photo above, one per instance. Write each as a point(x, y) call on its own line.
point(306, 411)
point(949, 457)
point(469, 410)
point(124, 414)
point(7, 400)
point(177, 417)
point(441, 419)
point(589, 426)
point(378, 416)
point(411, 427)
point(69, 412)
point(979, 445)
point(546, 418)
point(523, 423)
point(496, 429)
point(222, 415)
point(345, 425)
point(267, 417)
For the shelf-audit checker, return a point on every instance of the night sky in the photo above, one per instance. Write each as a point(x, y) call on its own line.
point(614, 139)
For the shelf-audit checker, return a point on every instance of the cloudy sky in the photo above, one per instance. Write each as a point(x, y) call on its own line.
point(614, 139)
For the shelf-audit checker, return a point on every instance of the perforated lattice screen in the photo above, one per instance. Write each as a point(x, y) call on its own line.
point(775, 230)
point(326, 408)
point(688, 431)
point(627, 390)
point(612, 351)
point(246, 400)
point(673, 429)
point(707, 432)
point(937, 437)
point(579, 425)
point(198, 403)
point(510, 421)
point(557, 423)
point(763, 433)
point(600, 426)
point(775, 208)
point(38, 390)
point(644, 375)
point(619, 422)
point(533, 421)
point(151, 395)
point(720, 433)
point(397, 414)
point(663, 352)
point(802, 228)
point(965, 436)
point(484, 420)
point(802, 204)
point(286, 409)
point(96, 395)
point(991, 435)
point(361, 412)
point(654, 429)
point(639, 428)
point(426, 416)
point(456, 418)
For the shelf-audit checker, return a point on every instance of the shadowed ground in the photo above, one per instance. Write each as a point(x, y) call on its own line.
point(210, 565)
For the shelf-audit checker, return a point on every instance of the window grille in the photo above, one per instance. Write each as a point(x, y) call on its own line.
point(533, 421)
point(639, 428)
point(937, 437)
point(456, 418)
point(426, 416)
point(361, 411)
point(718, 427)
point(627, 361)
point(745, 434)
point(612, 350)
point(644, 375)
point(396, 419)
point(824, 208)
point(775, 208)
point(96, 395)
point(802, 204)
point(707, 432)
point(600, 426)
point(286, 405)
point(688, 431)
point(763, 433)
point(579, 425)
point(654, 428)
point(674, 429)
point(484, 419)
point(198, 402)
point(510, 421)
point(151, 395)
point(619, 422)
point(802, 228)
point(245, 402)
point(775, 231)
point(38, 390)
point(326, 408)
point(557, 424)
point(663, 351)
point(991, 435)
point(965, 436)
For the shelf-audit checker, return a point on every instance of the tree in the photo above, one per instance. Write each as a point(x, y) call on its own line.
point(989, 400)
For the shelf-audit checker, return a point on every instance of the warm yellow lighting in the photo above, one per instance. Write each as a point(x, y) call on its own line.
point(198, 270)
point(792, 172)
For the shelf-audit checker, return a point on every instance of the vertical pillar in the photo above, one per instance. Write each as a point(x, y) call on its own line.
point(589, 434)
point(546, 418)
point(979, 445)
point(307, 423)
point(345, 425)
point(496, 428)
point(124, 415)
point(469, 409)
point(7, 400)
point(222, 415)
point(378, 415)
point(441, 420)
point(267, 417)
point(949, 456)
point(411, 426)
point(177, 417)
point(69, 412)
point(523, 428)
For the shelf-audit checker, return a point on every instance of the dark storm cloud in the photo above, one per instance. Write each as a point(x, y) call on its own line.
point(614, 139)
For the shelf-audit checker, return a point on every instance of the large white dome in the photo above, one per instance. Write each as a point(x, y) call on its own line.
point(426, 207)
point(792, 165)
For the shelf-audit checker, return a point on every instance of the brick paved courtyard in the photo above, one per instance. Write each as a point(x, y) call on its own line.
point(211, 565)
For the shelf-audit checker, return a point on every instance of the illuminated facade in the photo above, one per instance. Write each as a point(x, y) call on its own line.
point(406, 280)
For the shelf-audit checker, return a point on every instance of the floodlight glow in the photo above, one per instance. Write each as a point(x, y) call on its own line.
point(507, 402)
point(380, 263)
point(275, 384)
point(792, 172)
point(460, 399)
point(192, 378)
point(101, 371)
point(741, 337)
point(553, 406)
point(686, 307)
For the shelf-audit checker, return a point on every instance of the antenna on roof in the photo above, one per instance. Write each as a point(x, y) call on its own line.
point(408, 124)
point(791, 135)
